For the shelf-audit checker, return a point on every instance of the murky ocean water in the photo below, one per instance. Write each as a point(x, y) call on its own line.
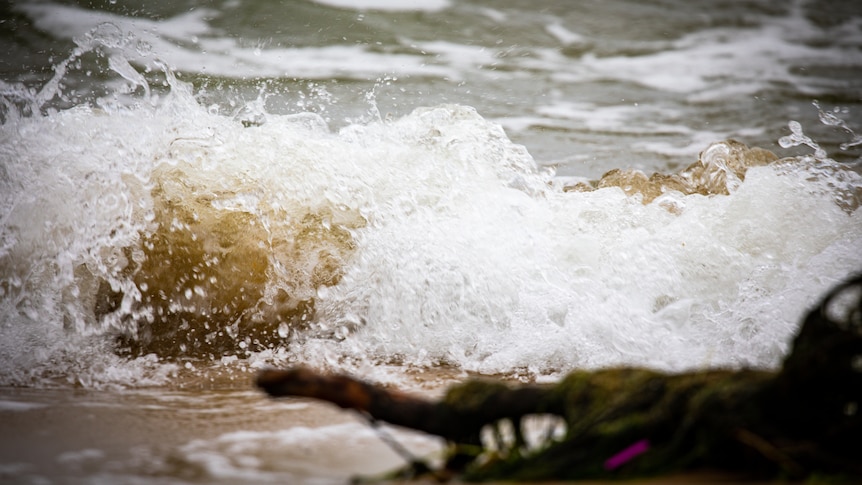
point(190, 191)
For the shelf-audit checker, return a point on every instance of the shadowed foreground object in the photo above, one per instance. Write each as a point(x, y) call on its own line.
point(800, 422)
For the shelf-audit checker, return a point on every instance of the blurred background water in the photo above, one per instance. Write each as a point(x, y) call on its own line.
point(586, 86)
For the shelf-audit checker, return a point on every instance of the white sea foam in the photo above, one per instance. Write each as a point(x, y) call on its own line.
point(714, 63)
point(469, 256)
point(636, 118)
point(461, 251)
point(587, 280)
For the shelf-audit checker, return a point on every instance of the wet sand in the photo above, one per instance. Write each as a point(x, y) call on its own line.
point(223, 433)
point(179, 436)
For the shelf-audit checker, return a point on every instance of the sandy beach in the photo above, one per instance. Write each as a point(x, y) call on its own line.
point(216, 433)
point(220, 434)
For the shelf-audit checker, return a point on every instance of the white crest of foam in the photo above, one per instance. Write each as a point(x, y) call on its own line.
point(499, 279)
point(77, 193)
point(469, 255)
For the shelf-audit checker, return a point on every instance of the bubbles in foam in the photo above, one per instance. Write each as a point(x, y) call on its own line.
point(797, 137)
point(550, 281)
point(429, 239)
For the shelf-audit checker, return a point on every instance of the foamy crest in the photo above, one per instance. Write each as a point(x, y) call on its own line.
point(163, 230)
point(506, 281)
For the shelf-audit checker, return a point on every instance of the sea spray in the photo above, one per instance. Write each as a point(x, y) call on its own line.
point(597, 278)
point(161, 230)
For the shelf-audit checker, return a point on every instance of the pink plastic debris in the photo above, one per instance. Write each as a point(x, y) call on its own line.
point(627, 454)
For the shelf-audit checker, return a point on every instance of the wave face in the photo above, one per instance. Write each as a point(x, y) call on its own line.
point(144, 224)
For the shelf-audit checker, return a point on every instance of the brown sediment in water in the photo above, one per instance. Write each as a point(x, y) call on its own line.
point(54, 435)
point(718, 167)
point(220, 272)
point(215, 281)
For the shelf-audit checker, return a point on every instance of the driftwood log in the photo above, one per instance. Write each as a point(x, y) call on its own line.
point(800, 422)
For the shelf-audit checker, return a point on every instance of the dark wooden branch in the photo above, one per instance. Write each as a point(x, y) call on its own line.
point(459, 418)
point(387, 405)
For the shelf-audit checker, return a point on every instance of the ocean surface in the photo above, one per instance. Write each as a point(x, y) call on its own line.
point(411, 192)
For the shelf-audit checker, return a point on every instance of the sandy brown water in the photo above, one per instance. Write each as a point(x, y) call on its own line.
point(198, 431)
point(225, 433)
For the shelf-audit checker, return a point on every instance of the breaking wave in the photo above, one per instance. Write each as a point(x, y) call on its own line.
point(142, 227)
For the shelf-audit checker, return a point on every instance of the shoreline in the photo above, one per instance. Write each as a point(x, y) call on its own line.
point(167, 435)
point(207, 435)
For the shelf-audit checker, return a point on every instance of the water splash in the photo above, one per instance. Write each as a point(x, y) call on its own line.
point(187, 232)
point(106, 40)
point(828, 118)
point(832, 119)
point(797, 137)
point(373, 113)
